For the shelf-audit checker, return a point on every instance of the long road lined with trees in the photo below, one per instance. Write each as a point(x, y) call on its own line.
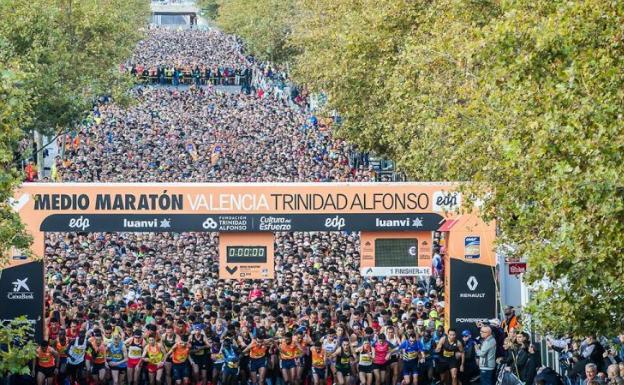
point(520, 100)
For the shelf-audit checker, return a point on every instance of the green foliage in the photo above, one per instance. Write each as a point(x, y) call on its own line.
point(524, 99)
point(13, 114)
point(264, 25)
point(210, 8)
point(70, 51)
point(17, 337)
point(56, 57)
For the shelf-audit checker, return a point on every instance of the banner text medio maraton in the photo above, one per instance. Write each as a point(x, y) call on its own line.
point(229, 202)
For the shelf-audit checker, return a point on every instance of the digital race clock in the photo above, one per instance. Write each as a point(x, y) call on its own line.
point(246, 254)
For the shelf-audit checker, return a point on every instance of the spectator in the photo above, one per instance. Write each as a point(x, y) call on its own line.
point(614, 376)
point(511, 320)
point(486, 351)
point(591, 374)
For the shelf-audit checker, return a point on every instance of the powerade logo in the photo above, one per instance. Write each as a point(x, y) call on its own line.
point(20, 291)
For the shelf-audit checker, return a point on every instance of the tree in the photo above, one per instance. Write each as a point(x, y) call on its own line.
point(17, 348)
point(70, 51)
point(56, 58)
point(210, 7)
point(13, 114)
point(264, 25)
point(521, 99)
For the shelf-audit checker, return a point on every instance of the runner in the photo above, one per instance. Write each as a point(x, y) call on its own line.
point(330, 344)
point(394, 341)
point(302, 340)
point(412, 355)
point(76, 358)
point(168, 342)
point(117, 357)
point(258, 358)
point(426, 368)
point(200, 348)
point(181, 360)
point(218, 360)
point(319, 363)
point(154, 356)
point(136, 345)
point(451, 352)
point(231, 369)
point(344, 358)
point(62, 344)
point(97, 351)
point(287, 352)
point(46, 361)
point(365, 362)
point(381, 356)
point(243, 340)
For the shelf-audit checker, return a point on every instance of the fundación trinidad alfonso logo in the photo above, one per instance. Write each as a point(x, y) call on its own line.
point(20, 290)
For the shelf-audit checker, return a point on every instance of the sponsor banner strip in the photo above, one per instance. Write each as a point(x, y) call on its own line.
point(404, 271)
point(241, 222)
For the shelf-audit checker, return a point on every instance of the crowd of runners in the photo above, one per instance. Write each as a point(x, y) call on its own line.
point(189, 57)
point(148, 308)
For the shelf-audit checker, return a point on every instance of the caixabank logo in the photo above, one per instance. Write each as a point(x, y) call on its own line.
point(21, 290)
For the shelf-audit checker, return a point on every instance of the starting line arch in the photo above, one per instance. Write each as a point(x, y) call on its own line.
point(396, 221)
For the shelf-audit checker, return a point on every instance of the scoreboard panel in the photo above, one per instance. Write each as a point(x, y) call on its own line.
point(396, 252)
point(400, 253)
point(246, 254)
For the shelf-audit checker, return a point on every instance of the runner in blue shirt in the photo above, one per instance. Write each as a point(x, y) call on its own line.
point(412, 353)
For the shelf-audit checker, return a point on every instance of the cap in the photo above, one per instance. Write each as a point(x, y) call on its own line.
point(494, 322)
point(466, 333)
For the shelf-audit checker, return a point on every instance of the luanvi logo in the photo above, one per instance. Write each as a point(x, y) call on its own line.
point(20, 290)
point(406, 222)
point(231, 270)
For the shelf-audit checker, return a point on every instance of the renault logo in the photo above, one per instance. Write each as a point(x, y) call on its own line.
point(472, 283)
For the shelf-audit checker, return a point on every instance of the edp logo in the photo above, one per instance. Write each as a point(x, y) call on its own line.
point(79, 223)
point(446, 201)
point(336, 222)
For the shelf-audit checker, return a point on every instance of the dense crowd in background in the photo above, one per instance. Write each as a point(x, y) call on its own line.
point(138, 308)
point(189, 56)
point(203, 135)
